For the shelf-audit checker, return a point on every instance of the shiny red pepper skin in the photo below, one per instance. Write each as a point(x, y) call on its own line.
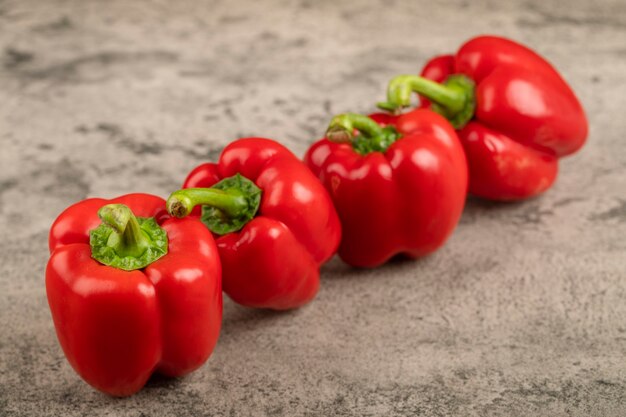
point(274, 260)
point(527, 117)
point(405, 201)
point(118, 327)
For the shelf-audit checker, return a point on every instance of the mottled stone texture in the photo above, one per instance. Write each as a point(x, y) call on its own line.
point(522, 313)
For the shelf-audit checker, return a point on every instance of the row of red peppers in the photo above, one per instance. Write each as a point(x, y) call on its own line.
point(135, 283)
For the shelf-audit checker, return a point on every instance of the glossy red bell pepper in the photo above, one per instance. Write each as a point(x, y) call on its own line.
point(514, 113)
point(130, 296)
point(399, 185)
point(275, 222)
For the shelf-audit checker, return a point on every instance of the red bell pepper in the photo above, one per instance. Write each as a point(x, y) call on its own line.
point(275, 222)
point(399, 186)
point(514, 113)
point(132, 295)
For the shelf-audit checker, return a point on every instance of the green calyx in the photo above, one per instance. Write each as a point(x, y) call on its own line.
point(455, 99)
point(226, 207)
point(124, 241)
point(371, 138)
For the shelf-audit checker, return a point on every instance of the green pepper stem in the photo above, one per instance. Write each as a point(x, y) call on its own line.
point(371, 138)
point(231, 202)
point(402, 86)
point(342, 127)
point(127, 238)
point(455, 99)
point(226, 207)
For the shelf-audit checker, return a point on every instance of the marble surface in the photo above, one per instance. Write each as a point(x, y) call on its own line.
point(523, 312)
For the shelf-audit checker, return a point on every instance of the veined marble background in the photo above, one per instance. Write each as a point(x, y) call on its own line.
point(522, 313)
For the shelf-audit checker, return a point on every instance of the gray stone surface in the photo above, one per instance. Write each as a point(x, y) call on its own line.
point(522, 313)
